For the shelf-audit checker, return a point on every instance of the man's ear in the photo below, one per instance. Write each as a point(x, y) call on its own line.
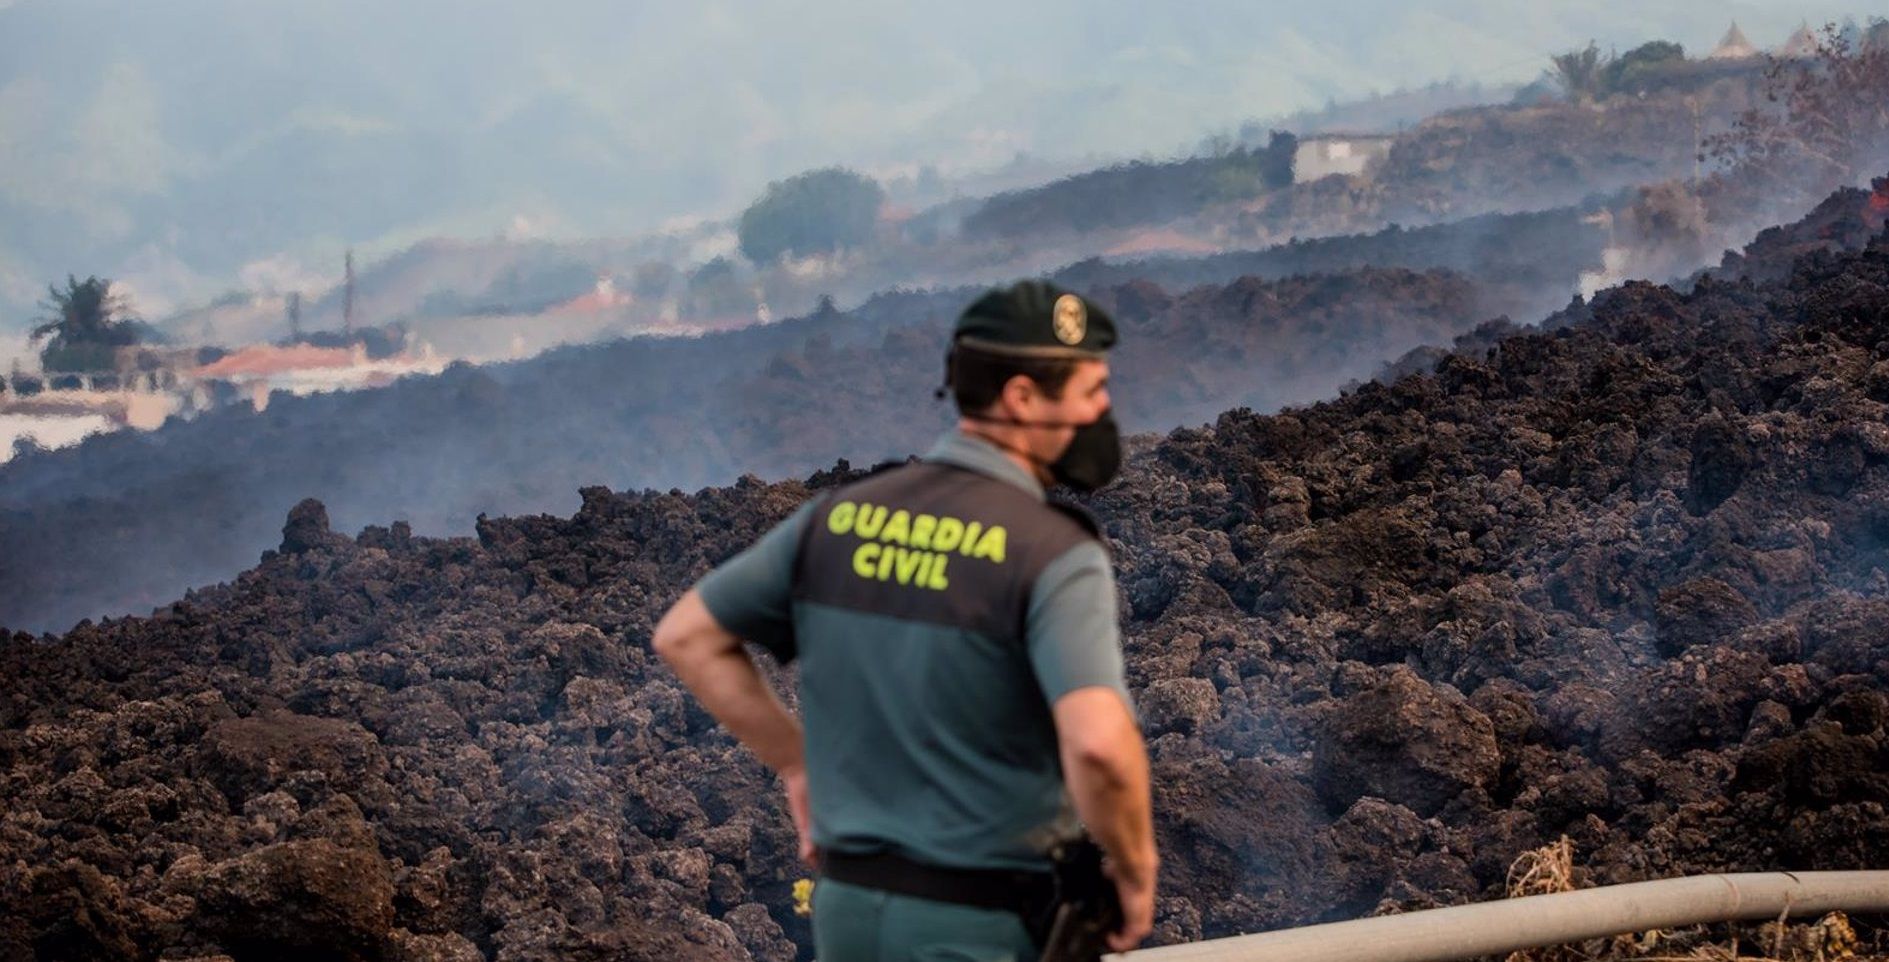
point(1019, 389)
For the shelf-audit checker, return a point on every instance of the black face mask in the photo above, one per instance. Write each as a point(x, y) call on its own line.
point(1092, 457)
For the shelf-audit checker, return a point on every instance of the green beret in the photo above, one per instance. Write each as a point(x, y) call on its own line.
point(1036, 319)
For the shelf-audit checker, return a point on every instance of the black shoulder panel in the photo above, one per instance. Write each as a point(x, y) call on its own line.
point(1081, 516)
point(934, 543)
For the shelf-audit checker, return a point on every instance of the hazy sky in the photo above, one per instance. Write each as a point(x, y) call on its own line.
point(187, 136)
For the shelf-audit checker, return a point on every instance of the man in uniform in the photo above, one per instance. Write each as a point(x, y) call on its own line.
point(959, 659)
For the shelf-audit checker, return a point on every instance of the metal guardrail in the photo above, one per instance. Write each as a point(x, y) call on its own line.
point(1509, 925)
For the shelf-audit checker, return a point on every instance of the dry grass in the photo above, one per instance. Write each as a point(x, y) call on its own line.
point(1550, 869)
point(1543, 871)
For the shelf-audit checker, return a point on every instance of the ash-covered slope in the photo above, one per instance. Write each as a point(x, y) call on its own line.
point(126, 522)
point(1623, 579)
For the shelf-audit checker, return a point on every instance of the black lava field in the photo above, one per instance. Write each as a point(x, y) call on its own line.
point(1622, 577)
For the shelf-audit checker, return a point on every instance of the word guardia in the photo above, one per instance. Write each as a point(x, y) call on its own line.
point(912, 549)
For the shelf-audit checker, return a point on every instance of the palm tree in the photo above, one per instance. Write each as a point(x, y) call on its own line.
point(86, 325)
point(1579, 73)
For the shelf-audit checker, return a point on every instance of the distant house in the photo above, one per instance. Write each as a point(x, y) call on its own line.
point(603, 297)
point(1734, 46)
point(264, 360)
point(1322, 155)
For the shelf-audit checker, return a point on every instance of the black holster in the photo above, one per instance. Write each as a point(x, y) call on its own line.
point(1085, 910)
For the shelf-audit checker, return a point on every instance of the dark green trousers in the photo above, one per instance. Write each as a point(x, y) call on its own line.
point(855, 924)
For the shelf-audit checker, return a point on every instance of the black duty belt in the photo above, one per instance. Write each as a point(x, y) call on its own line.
point(1023, 892)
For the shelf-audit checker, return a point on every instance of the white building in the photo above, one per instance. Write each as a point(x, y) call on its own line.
point(1322, 155)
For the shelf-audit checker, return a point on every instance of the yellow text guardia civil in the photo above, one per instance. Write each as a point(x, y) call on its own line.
point(912, 549)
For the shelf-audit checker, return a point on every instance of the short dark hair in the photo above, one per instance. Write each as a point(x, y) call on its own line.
point(977, 377)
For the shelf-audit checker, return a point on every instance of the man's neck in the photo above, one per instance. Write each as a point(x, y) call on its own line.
point(1006, 443)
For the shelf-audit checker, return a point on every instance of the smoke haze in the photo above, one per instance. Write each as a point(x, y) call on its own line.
point(171, 145)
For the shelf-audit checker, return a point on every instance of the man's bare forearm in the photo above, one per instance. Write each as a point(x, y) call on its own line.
point(1105, 767)
point(1111, 794)
point(719, 673)
point(732, 689)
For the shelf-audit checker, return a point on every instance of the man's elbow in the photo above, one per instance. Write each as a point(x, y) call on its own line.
point(1097, 732)
point(665, 642)
point(1112, 758)
point(671, 638)
point(689, 633)
point(1114, 752)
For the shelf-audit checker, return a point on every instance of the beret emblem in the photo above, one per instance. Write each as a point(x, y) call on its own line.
point(1070, 320)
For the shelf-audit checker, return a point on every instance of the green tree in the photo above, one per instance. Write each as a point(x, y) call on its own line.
point(817, 212)
point(1579, 72)
point(85, 325)
point(1632, 69)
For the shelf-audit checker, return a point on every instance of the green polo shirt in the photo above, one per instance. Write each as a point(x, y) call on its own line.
point(919, 738)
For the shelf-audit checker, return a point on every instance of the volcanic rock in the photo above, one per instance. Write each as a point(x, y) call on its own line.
point(760, 934)
point(1184, 705)
point(307, 527)
point(1702, 611)
point(405, 946)
point(68, 911)
point(300, 900)
point(1406, 739)
point(247, 756)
